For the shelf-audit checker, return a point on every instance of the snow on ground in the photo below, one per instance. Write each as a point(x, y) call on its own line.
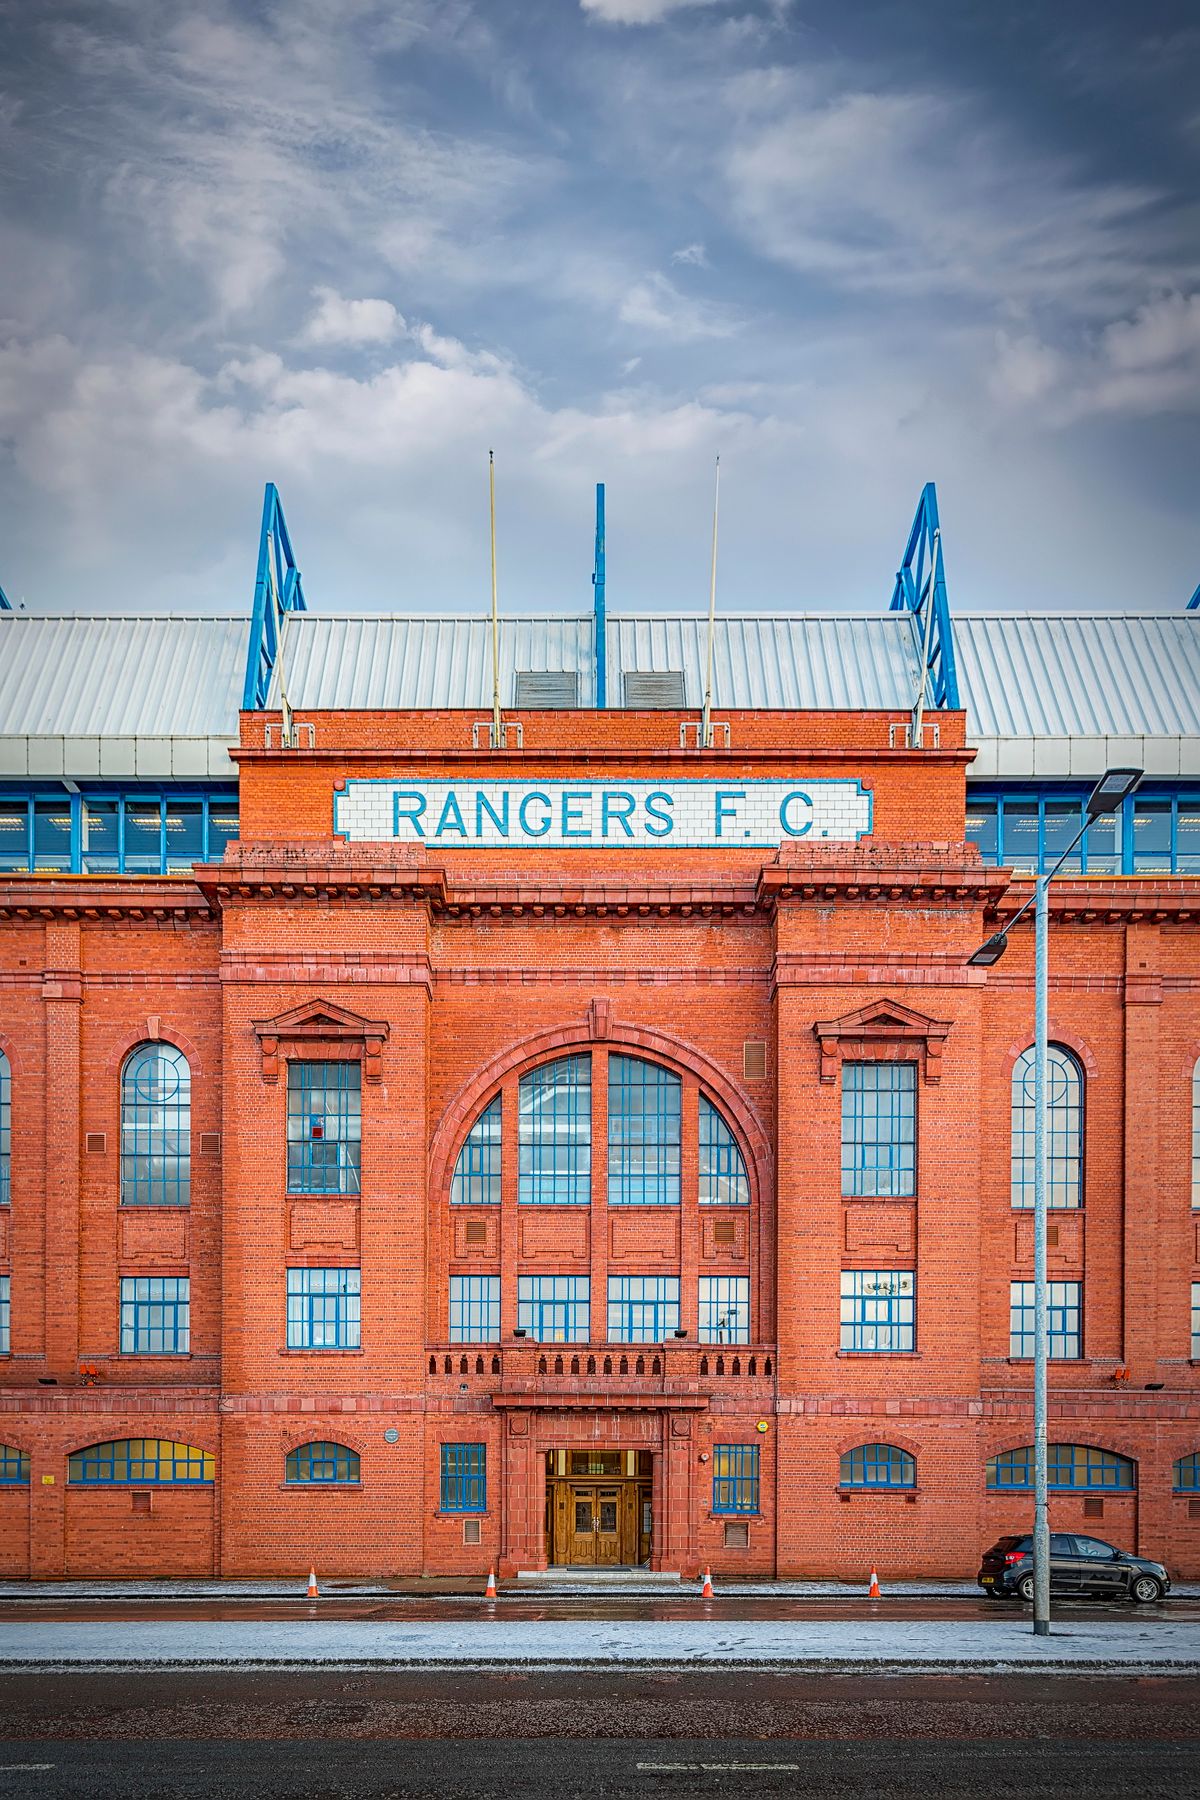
point(199, 1589)
point(993, 1645)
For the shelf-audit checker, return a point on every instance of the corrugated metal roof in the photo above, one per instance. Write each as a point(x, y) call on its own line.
point(120, 677)
point(1101, 675)
point(801, 662)
point(384, 662)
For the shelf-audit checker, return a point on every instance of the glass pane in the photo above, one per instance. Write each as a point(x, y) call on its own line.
point(222, 826)
point(982, 828)
point(143, 855)
point(1021, 834)
point(99, 826)
point(608, 1515)
point(14, 834)
point(1187, 838)
point(1152, 834)
point(185, 835)
point(1102, 843)
point(583, 1516)
point(52, 834)
point(1062, 820)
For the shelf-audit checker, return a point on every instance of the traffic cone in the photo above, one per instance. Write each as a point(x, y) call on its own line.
point(313, 1591)
point(873, 1590)
point(491, 1585)
point(706, 1592)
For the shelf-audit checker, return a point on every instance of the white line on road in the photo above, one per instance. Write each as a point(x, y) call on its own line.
point(720, 1768)
point(11, 1768)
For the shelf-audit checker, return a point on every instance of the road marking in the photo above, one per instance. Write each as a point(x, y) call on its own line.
point(719, 1768)
point(11, 1768)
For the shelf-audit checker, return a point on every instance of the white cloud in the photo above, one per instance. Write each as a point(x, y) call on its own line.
point(351, 322)
point(694, 254)
point(636, 12)
point(654, 304)
point(1165, 330)
point(1145, 365)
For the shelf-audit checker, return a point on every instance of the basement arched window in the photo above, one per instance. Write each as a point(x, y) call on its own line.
point(877, 1465)
point(1185, 1477)
point(14, 1466)
point(723, 1178)
point(156, 1127)
point(1068, 1466)
point(477, 1172)
point(1064, 1128)
point(321, 1462)
point(5, 1130)
point(142, 1461)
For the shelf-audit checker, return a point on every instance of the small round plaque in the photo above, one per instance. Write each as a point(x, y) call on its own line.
point(391, 1435)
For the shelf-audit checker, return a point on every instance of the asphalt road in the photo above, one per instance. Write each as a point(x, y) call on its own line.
point(160, 1736)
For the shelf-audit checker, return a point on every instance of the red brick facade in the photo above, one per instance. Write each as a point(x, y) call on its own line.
point(447, 975)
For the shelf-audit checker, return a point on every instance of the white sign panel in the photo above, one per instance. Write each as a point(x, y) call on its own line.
point(618, 815)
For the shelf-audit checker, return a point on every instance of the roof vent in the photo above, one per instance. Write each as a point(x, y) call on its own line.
point(653, 687)
point(547, 688)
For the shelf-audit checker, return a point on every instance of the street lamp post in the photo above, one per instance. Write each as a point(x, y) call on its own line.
point(1107, 795)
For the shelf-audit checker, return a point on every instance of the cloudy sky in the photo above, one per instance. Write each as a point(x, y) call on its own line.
point(349, 245)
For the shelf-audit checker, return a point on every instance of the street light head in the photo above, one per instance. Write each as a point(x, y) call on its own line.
point(1110, 790)
point(989, 953)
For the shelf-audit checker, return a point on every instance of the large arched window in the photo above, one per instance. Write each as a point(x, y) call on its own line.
point(723, 1179)
point(5, 1130)
point(141, 1461)
point(878, 1465)
point(156, 1127)
point(477, 1171)
point(321, 1462)
point(555, 1134)
point(1196, 1135)
point(1064, 1129)
point(644, 1121)
point(1068, 1466)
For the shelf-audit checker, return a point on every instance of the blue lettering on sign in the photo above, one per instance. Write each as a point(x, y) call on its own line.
point(499, 819)
point(609, 805)
point(725, 807)
point(411, 811)
point(572, 799)
point(665, 823)
point(523, 814)
point(451, 819)
point(804, 799)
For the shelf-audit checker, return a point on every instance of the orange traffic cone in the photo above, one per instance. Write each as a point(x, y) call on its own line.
point(313, 1592)
point(491, 1585)
point(706, 1592)
point(873, 1590)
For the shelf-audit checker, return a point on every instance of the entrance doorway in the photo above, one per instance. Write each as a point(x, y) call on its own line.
point(599, 1508)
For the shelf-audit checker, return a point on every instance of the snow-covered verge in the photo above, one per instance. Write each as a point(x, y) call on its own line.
point(1000, 1645)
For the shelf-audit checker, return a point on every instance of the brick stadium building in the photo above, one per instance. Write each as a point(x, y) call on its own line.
point(419, 1154)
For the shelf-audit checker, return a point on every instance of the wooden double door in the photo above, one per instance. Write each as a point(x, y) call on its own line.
point(598, 1523)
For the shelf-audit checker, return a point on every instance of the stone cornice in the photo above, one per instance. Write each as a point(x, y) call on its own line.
point(1106, 899)
point(162, 899)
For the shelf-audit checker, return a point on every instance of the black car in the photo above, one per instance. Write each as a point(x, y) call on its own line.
point(1078, 1565)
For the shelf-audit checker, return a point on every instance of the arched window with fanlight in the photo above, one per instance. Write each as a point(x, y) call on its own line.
point(723, 1178)
point(477, 1171)
point(156, 1127)
point(321, 1464)
point(1068, 1466)
point(1064, 1129)
point(1185, 1477)
point(145, 1461)
point(877, 1466)
point(554, 1103)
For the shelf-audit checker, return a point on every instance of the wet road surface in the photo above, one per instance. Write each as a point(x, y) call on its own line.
point(413, 1734)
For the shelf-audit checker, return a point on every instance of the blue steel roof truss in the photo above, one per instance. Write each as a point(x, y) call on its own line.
point(278, 590)
point(921, 588)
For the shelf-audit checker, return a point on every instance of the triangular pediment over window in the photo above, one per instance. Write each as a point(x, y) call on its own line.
point(321, 1028)
point(885, 1028)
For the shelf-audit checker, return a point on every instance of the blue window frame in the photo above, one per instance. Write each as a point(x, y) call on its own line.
point(724, 1309)
point(477, 1172)
point(1196, 1321)
point(141, 1462)
point(877, 1465)
point(324, 1127)
point(644, 1112)
point(321, 1462)
point(323, 1309)
point(1028, 827)
point(5, 1314)
point(14, 1466)
point(155, 1315)
point(6, 1130)
point(156, 1127)
point(107, 831)
point(723, 1178)
point(1064, 1129)
point(1066, 1337)
point(1068, 1466)
point(642, 1309)
point(1185, 1477)
point(554, 1309)
point(879, 1128)
point(554, 1105)
point(878, 1310)
point(474, 1309)
point(464, 1478)
point(735, 1478)
point(1195, 1136)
